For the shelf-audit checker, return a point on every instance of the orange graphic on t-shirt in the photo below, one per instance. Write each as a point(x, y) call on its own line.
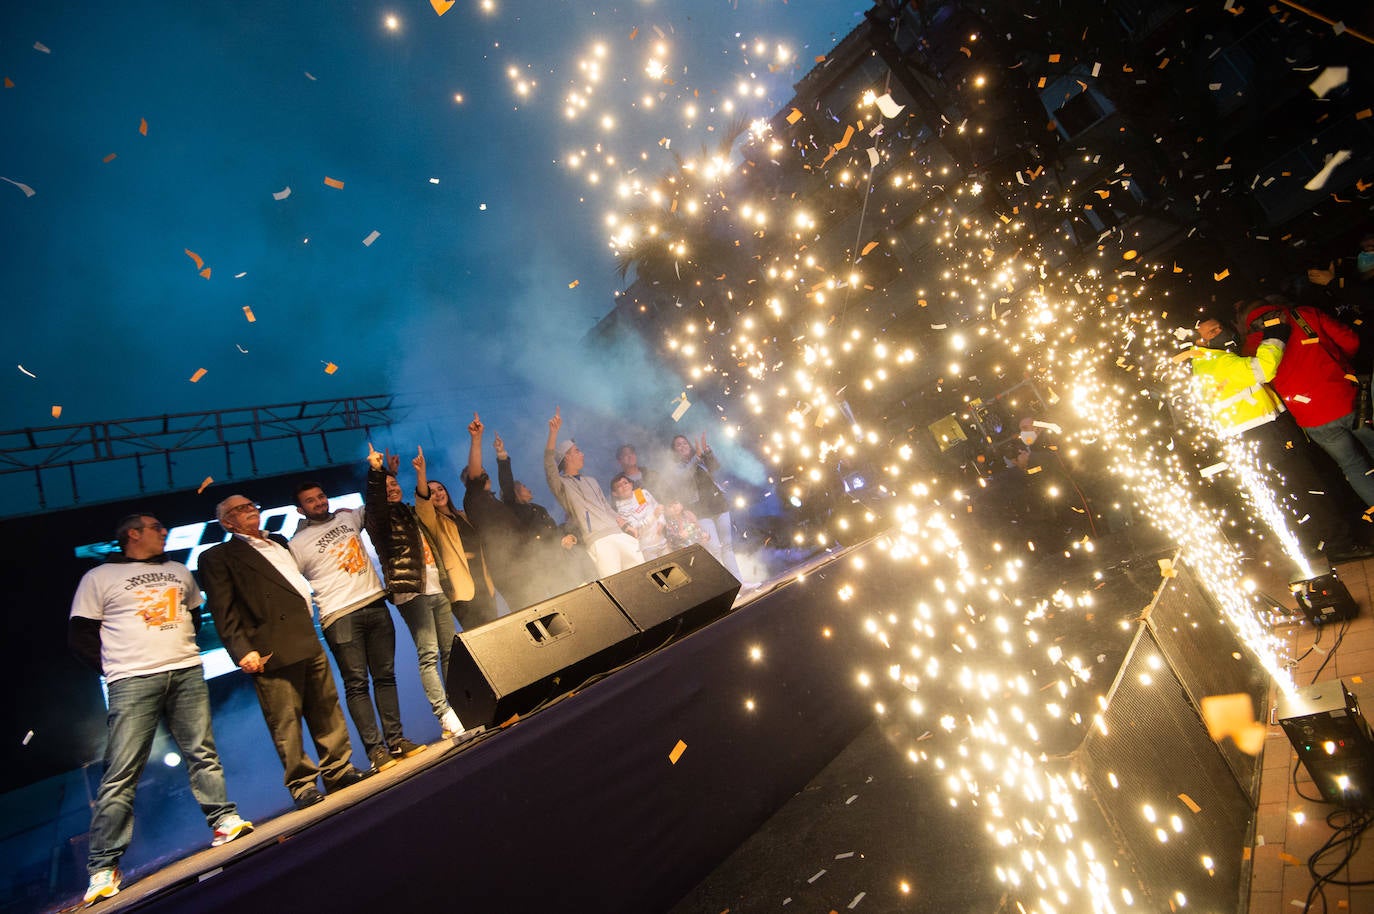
point(160, 607)
point(429, 556)
point(353, 560)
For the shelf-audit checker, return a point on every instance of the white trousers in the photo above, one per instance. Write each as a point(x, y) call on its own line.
point(615, 552)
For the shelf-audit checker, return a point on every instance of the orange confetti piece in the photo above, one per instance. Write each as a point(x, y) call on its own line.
point(676, 754)
point(1178, 269)
point(794, 115)
point(441, 6)
point(143, 126)
point(1041, 83)
point(205, 272)
point(205, 484)
point(200, 373)
point(110, 158)
point(1368, 112)
point(573, 284)
point(248, 313)
point(1130, 255)
point(848, 135)
point(1111, 296)
point(330, 368)
point(57, 412)
point(820, 58)
point(334, 183)
point(1104, 194)
point(1290, 859)
point(868, 247)
point(9, 83)
point(1054, 58)
point(195, 258)
point(634, 33)
point(966, 52)
point(1222, 275)
point(1188, 801)
point(1164, 63)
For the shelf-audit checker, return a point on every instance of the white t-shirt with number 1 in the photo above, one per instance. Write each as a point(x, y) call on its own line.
point(145, 614)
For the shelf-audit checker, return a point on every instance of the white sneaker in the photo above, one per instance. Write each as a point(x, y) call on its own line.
point(229, 828)
point(104, 883)
point(453, 727)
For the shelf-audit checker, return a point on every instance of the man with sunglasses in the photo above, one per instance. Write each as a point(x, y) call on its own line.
point(261, 605)
point(134, 620)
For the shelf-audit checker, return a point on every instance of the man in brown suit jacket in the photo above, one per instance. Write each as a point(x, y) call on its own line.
point(261, 606)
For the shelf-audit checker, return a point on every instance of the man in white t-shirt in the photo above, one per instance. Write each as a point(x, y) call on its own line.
point(355, 619)
point(134, 620)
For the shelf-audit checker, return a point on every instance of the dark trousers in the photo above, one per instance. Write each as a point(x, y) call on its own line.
point(305, 690)
point(364, 646)
point(1306, 493)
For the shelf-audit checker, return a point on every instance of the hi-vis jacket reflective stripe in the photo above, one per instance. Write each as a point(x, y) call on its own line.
point(1236, 388)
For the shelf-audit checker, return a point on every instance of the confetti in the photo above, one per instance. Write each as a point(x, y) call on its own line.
point(676, 754)
point(1333, 161)
point(27, 372)
point(330, 368)
point(682, 406)
point(40, 46)
point(1054, 58)
point(1222, 275)
point(240, 275)
point(248, 313)
point(57, 412)
point(873, 157)
point(28, 191)
point(310, 76)
point(887, 107)
point(1209, 471)
point(793, 116)
point(334, 183)
point(283, 193)
point(1330, 78)
point(200, 373)
point(9, 83)
point(371, 237)
point(110, 158)
point(195, 258)
point(867, 248)
point(27, 736)
point(143, 126)
point(205, 484)
point(442, 6)
point(574, 284)
point(205, 272)
point(1188, 801)
point(1361, 115)
point(434, 180)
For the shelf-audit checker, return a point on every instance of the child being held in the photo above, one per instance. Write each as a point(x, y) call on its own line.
point(681, 527)
point(645, 515)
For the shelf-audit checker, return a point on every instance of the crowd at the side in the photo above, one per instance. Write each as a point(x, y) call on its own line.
point(442, 565)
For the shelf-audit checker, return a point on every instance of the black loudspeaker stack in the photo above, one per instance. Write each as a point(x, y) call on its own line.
point(520, 661)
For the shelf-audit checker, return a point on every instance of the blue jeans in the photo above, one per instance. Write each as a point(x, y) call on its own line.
point(431, 626)
point(364, 644)
point(1350, 448)
point(136, 705)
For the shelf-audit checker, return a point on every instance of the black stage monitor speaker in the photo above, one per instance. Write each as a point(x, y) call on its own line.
point(517, 662)
point(673, 595)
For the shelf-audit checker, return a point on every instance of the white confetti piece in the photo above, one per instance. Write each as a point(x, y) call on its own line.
point(371, 237)
point(40, 46)
point(28, 191)
point(817, 876)
point(1097, 69)
point(27, 736)
point(845, 856)
point(857, 898)
point(282, 194)
point(1334, 161)
point(873, 157)
point(310, 76)
point(1214, 469)
point(482, 207)
point(682, 406)
point(887, 106)
point(434, 180)
point(851, 799)
point(1215, 87)
point(240, 275)
point(1330, 78)
point(27, 372)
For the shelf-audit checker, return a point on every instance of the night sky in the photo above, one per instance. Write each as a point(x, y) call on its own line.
point(468, 284)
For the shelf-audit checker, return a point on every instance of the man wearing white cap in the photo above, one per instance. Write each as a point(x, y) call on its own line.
point(612, 547)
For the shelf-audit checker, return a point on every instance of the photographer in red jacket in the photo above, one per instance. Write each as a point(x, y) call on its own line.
point(1316, 382)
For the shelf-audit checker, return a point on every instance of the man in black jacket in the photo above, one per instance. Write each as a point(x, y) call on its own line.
point(261, 606)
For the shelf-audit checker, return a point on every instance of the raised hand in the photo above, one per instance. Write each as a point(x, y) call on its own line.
point(418, 461)
point(393, 463)
point(556, 422)
point(374, 457)
point(475, 426)
point(500, 447)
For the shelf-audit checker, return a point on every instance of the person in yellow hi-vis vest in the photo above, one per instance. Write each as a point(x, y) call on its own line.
point(1236, 390)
